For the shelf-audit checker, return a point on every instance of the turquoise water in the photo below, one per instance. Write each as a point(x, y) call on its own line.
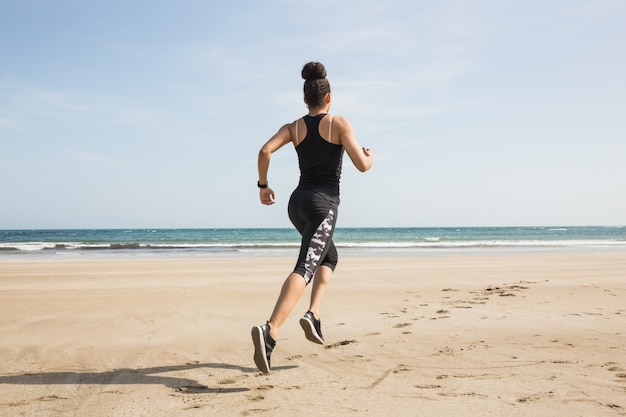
point(268, 242)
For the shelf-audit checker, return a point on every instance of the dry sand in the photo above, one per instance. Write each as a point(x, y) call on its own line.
point(488, 334)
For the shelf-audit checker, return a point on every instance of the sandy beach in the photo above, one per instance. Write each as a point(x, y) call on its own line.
point(481, 334)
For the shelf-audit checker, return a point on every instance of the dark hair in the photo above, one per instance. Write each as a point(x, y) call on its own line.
point(316, 85)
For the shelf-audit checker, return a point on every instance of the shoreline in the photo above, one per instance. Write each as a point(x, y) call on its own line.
point(362, 242)
point(273, 253)
point(454, 334)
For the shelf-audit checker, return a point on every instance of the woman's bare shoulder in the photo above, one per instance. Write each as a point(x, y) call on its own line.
point(341, 124)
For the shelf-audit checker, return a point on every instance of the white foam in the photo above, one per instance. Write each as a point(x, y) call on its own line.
point(426, 243)
point(27, 246)
point(482, 243)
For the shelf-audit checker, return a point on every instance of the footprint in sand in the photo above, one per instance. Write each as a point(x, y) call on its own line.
point(446, 351)
point(194, 389)
point(443, 314)
point(620, 373)
point(338, 344)
point(256, 411)
point(428, 386)
point(228, 381)
point(536, 397)
point(396, 370)
point(257, 398)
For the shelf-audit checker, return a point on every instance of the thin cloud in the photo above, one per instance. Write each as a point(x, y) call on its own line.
point(98, 157)
point(8, 123)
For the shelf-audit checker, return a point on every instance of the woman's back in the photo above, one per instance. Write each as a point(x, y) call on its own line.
point(320, 160)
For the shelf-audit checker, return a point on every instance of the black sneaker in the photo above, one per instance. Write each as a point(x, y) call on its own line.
point(263, 346)
point(312, 328)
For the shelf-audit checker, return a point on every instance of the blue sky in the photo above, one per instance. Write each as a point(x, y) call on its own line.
point(120, 114)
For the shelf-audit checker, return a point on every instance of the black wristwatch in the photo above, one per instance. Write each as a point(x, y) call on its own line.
point(258, 184)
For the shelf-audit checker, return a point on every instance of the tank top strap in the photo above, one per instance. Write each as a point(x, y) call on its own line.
point(330, 129)
point(297, 140)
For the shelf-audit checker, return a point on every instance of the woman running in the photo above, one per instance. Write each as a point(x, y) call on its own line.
point(320, 140)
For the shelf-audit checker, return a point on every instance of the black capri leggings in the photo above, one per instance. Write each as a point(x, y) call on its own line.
point(314, 214)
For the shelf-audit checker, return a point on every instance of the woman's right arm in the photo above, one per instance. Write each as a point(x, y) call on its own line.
point(280, 139)
point(362, 158)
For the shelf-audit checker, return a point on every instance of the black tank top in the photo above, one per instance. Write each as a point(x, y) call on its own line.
point(319, 160)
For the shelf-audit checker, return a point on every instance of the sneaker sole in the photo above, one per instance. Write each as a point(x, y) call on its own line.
point(260, 354)
point(310, 332)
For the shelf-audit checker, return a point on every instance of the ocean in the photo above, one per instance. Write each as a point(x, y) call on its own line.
point(37, 244)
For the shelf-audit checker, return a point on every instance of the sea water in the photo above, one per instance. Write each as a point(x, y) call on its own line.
point(232, 242)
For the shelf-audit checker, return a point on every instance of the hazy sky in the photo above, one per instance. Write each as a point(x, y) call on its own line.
point(121, 114)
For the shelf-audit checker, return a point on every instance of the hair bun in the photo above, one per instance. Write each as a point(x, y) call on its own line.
point(313, 71)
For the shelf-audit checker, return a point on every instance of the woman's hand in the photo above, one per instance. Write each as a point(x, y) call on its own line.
point(267, 196)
